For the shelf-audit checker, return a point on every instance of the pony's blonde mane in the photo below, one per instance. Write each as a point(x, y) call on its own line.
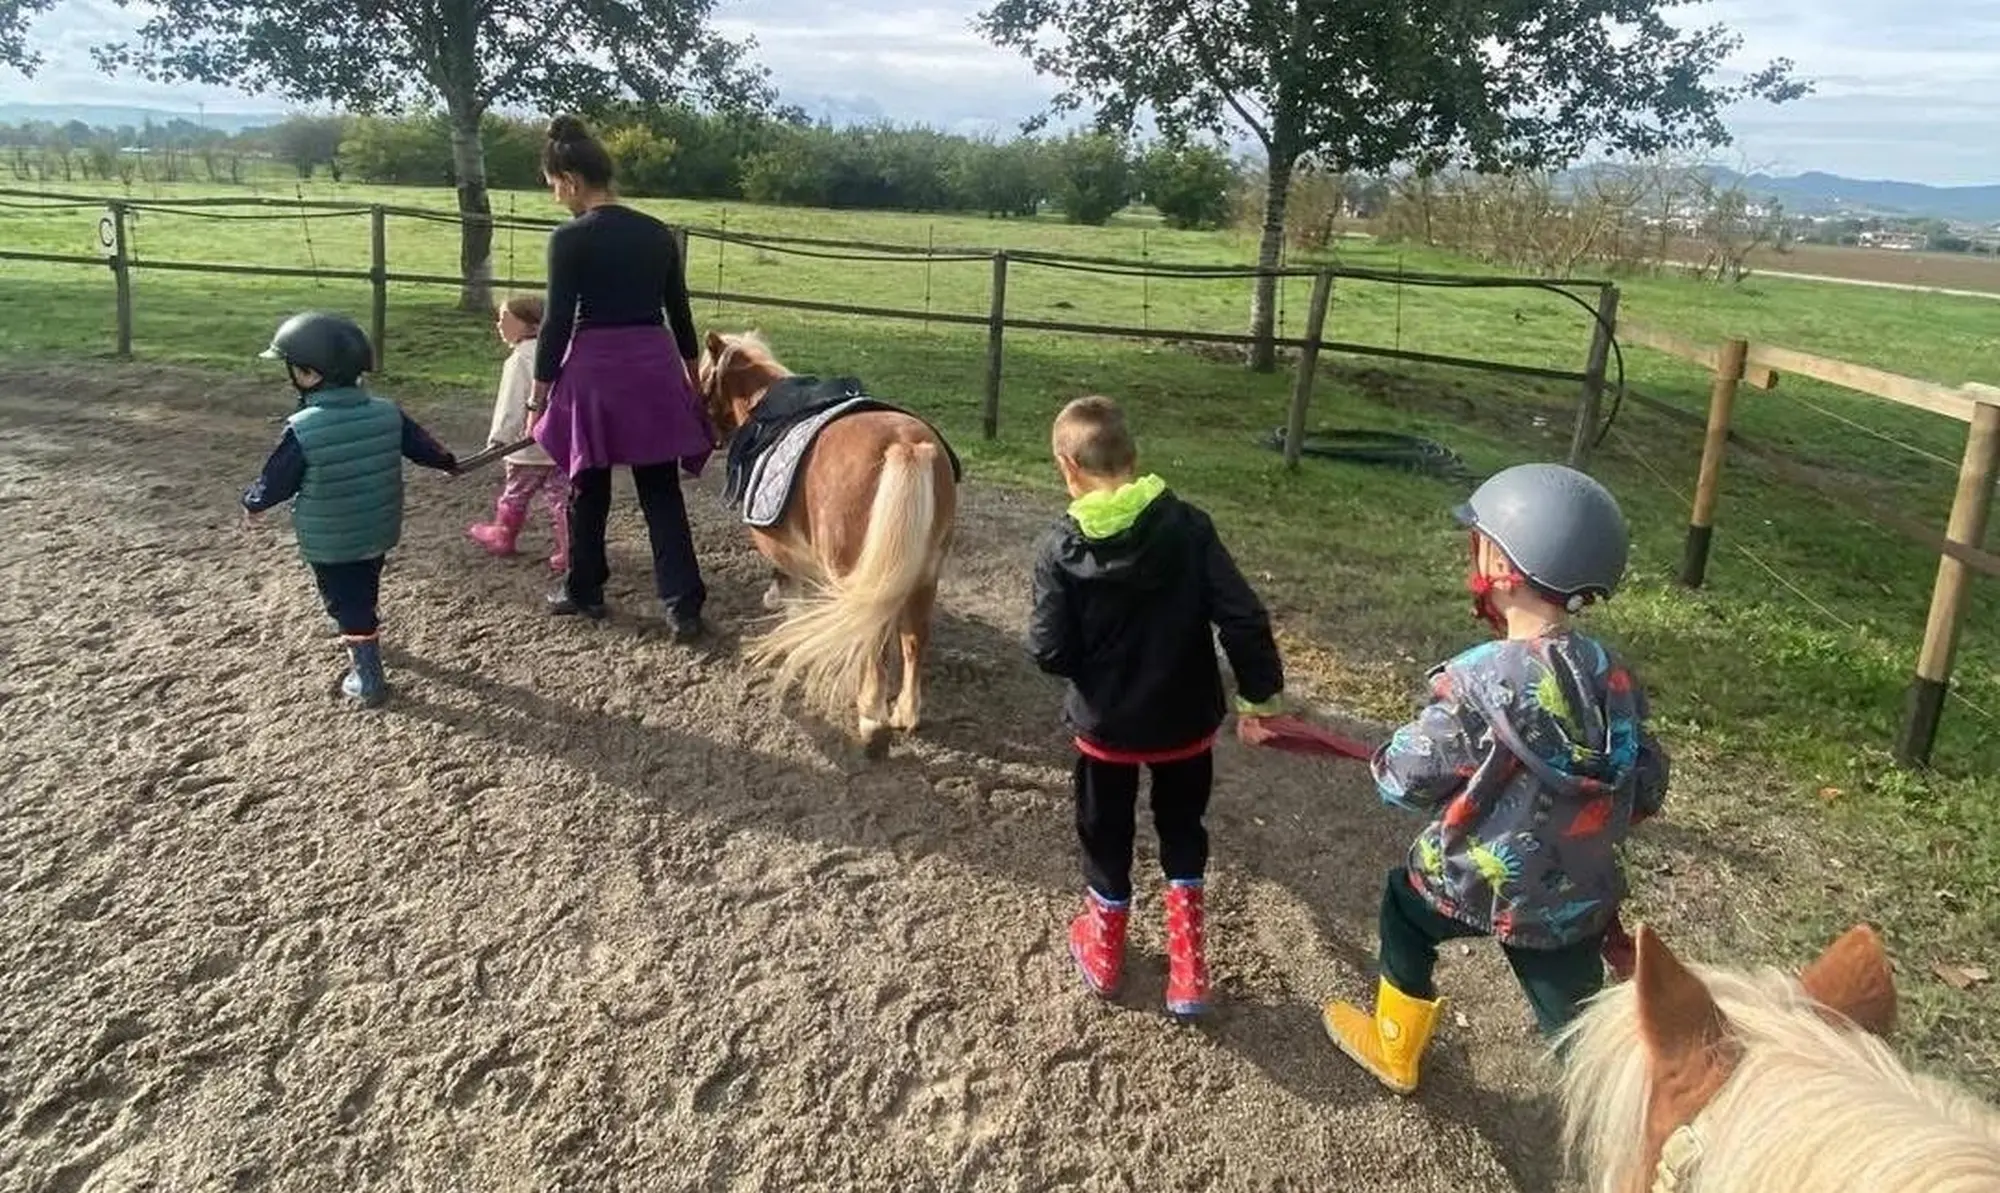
point(1813, 1106)
point(745, 347)
point(739, 349)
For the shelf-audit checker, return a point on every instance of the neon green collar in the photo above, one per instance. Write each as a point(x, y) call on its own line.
point(1112, 511)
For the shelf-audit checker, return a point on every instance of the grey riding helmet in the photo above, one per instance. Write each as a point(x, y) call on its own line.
point(331, 345)
point(1561, 529)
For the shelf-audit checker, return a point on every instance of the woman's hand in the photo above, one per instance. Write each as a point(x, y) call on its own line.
point(538, 404)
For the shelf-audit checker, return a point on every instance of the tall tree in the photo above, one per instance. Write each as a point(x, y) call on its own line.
point(15, 16)
point(466, 56)
point(1369, 85)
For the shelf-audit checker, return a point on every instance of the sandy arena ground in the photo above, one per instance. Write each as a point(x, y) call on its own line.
point(579, 912)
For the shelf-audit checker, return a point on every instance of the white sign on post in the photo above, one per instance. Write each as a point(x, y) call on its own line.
point(107, 233)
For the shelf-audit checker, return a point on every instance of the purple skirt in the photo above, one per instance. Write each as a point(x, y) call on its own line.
point(623, 397)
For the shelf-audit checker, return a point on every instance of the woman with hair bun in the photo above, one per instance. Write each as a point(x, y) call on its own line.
point(614, 379)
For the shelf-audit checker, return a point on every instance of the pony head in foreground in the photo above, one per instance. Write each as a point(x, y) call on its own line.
point(865, 536)
point(1690, 1079)
point(734, 372)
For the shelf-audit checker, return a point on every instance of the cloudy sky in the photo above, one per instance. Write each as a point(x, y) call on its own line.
point(1900, 95)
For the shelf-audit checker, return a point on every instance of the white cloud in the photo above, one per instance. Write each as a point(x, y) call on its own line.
point(1900, 91)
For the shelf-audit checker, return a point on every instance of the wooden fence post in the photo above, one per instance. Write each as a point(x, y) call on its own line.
point(1295, 422)
point(1592, 397)
point(1969, 509)
point(1714, 447)
point(996, 330)
point(378, 276)
point(121, 274)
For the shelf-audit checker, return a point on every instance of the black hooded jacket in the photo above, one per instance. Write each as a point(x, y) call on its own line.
point(1125, 619)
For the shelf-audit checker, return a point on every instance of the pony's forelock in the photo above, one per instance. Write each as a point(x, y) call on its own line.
point(1812, 1106)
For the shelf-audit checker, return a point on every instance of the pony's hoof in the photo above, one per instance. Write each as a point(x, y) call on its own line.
point(874, 740)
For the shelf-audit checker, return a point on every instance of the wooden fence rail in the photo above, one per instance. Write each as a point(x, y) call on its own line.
point(1961, 550)
point(379, 277)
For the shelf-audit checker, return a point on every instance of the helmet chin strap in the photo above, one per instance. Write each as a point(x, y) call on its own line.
point(292, 375)
point(1482, 587)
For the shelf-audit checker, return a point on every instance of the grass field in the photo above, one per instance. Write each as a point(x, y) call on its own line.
point(1944, 271)
point(1779, 687)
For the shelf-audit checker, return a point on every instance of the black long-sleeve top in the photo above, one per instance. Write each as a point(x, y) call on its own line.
point(613, 266)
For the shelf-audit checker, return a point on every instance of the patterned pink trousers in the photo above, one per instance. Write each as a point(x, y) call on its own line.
point(510, 513)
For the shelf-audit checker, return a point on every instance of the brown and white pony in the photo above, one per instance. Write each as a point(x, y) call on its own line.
point(1690, 1079)
point(866, 533)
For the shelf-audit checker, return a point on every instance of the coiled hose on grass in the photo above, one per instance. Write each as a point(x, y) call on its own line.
point(1393, 449)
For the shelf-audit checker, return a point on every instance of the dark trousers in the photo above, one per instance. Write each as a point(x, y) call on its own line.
point(1107, 800)
point(351, 592)
point(676, 572)
point(1556, 981)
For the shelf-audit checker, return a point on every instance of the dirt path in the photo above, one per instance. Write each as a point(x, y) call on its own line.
point(578, 912)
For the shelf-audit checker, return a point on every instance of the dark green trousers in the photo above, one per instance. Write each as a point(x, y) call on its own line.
point(1556, 981)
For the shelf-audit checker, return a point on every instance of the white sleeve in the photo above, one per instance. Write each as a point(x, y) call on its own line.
point(510, 407)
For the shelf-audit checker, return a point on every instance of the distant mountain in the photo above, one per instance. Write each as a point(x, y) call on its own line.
point(114, 116)
point(1814, 193)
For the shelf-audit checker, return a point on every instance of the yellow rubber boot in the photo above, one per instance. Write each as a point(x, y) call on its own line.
point(1389, 1043)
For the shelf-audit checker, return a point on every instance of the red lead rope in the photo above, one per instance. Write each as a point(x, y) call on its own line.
point(1294, 736)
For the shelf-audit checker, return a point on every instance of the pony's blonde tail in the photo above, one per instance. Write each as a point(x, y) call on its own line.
point(847, 624)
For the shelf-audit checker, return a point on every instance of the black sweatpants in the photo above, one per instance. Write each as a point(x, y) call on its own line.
point(676, 572)
point(1556, 981)
point(1107, 800)
point(351, 593)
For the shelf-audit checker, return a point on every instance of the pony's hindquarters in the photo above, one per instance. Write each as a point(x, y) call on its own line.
point(831, 645)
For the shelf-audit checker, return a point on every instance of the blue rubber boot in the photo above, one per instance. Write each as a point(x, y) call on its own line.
point(364, 683)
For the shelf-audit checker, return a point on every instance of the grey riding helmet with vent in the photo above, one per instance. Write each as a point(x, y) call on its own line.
point(1561, 529)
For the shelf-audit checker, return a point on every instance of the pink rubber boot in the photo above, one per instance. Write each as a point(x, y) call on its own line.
point(498, 535)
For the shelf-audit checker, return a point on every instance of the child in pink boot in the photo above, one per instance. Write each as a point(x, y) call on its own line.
point(1126, 589)
point(530, 470)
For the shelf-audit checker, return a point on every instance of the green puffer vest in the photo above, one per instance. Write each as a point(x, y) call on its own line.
point(350, 504)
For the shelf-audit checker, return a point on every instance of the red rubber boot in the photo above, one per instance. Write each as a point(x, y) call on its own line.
point(1097, 942)
point(1187, 965)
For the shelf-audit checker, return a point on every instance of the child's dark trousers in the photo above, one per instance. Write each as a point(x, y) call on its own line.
point(1107, 799)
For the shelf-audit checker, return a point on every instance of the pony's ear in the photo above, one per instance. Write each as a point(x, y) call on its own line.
point(1686, 1037)
point(716, 343)
point(1852, 977)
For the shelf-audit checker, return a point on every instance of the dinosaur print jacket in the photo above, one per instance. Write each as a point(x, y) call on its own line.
point(1534, 758)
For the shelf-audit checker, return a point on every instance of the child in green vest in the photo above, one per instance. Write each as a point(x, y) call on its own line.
point(340, 464)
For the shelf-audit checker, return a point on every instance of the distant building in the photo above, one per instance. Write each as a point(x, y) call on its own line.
point(1897, 241)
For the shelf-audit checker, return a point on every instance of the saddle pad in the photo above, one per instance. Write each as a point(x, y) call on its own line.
point(776, 469)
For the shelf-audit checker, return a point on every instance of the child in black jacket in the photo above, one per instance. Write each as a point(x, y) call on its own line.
point(1127, 587)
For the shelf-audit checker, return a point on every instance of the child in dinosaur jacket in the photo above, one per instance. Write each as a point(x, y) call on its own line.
point(1534, 758)
point(340, 464)
point(1125, 592)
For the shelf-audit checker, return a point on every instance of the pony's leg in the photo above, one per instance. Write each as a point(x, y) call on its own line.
point(784, 554)
point(874, 711)
point(915, 635)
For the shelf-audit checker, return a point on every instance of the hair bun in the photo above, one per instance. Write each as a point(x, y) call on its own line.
point(566, 128)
